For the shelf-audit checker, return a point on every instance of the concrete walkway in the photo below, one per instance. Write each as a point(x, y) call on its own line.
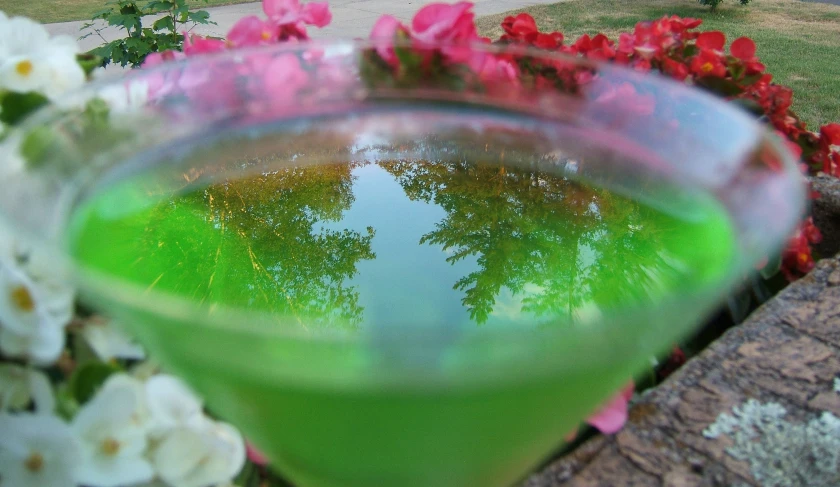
point(351, 18)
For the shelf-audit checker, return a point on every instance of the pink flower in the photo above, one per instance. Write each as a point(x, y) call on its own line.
point(441, 22)
point(251, 31)
point(195, 44)
point(495, 70)
point(158, 58)
point(282, 78)
point(386, 29)
point(255, 455)
point(612, 415)
point(317, 14)
point(283, 12)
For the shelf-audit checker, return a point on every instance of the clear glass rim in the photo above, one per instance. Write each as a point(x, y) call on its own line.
point(254, 322)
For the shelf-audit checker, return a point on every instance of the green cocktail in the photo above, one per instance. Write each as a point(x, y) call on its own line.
point(415, 286)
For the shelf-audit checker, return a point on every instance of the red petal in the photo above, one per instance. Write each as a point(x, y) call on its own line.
point(831, 133)
point(743, 48)
point(711, 40)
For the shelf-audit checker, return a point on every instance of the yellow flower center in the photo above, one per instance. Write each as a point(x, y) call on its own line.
point(34, 463)
point(266, 35)
point(110, 446)
point(22, 298)
point(707, 67)
point(24, 68)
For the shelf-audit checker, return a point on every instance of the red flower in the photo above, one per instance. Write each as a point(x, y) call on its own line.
point(519, 27)
point(675, 69)
point(711, 40)
point(743, 48)
point(599, 47)
point(708, 63)
point(523, 29)
point(830, 133)
point(797, 259)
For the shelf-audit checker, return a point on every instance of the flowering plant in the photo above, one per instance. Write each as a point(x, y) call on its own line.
point(114, 419)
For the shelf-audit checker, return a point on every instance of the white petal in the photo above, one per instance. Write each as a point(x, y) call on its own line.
point(111, 408)
point(47, 344)
point(49, 437)
point(64, 43)
point(104, 472)
point(43, 346)
point(42, 392)
point(13, 281)
point(108, 341)
point(65, 75)
point(22, 36)
point(171, 402)
point(14, 387)
point(24, 74)
point(178, 454)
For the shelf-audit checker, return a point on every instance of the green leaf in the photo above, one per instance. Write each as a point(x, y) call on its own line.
point(88, 378)
point(128, 22)
point(772, 267)
point(690, 51)
point(89, 62)
point(200, 17)
point(39, 146)
point(101, 14)
point(160, 6)
point(139, 47)
point(749, 105)
point(14, 107)
point(164, 23)
point(719, 86)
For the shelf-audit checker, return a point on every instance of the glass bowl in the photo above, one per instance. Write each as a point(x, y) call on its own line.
point(393, 264)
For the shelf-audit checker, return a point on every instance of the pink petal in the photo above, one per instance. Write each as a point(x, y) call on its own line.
point(440, 21)
point(250, 31)
point(317, 14)
point(612, 415)
point(386, 29)
point(282, 11)
point(255, 455)
point(283, 78)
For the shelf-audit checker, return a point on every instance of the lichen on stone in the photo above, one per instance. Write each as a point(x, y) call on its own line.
point(782, 453)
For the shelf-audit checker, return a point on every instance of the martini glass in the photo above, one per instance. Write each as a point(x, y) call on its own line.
point(393, 264)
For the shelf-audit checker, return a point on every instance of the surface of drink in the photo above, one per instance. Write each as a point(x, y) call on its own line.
point(419, 317)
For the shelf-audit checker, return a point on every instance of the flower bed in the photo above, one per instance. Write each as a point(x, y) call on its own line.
point(83, 409)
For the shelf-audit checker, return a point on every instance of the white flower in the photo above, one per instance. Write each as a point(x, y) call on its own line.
point(21, 385)
point(200, 456)
point(171, 405)
point(22, 36)
point(113, 436)
point(192, 449)
point(64, 74)
point(127, 97)
point(32, 61)
point(34, 308)
point(109, 341)
point(37, 451)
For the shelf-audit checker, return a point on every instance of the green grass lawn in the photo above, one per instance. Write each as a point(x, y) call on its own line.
point(48, 11)
point(798, 41)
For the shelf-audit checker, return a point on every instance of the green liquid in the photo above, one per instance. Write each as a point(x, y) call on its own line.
point(360, 255)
